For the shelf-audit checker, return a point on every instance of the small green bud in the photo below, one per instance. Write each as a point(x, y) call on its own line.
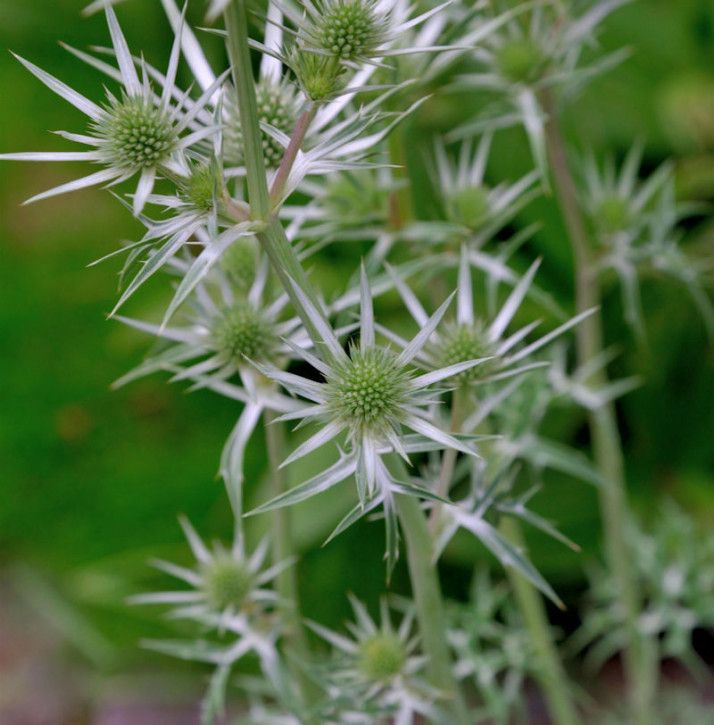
point(138, 134)
point(226, 583)
point(320, 77)
point(201, 187)
point(240, 261)
point(381, 656)
point(520, 61)
point(462, 343)
point(242, 333)
point(470, 206)
point(612, 214)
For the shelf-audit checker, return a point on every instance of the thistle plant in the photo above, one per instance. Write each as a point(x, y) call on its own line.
point(433, 423)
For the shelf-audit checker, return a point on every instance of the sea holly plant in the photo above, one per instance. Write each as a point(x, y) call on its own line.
point(435, 425)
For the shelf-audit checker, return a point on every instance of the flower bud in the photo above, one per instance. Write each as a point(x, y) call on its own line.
point(381, 656)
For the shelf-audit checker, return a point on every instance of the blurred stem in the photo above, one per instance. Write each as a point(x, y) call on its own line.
point(427, 596)
point(423, 571)
point(401, 208)
point(448, 462)
point(550, 674)
point(283, 548)
point(295, 642)
point(639, 659)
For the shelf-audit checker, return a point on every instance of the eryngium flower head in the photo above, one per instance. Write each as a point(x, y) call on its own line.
point(136, 132)
point(348, 29)
point(520, 60)
point(367, 389)
point(372, 395)
point(227, 582)
point(467, 200)
point(537, 54)
point(381, 656)
point(504, 354)
point(223, 332)
point(224, 583)
point(277, 107)
point(463, 341)
point(242, 332)
point(381, 662)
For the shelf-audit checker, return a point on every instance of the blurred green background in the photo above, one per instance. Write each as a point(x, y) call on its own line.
point(91, 480)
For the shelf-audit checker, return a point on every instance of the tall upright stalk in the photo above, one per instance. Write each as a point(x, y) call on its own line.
point(429, 602)
point(550, 674)
point(427, 592)
point(286, 583)
point(607, 449)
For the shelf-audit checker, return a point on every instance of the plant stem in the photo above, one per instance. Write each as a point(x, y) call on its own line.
point(272, 238)
point(428, 600)
point(295, 642)
point(286, 583)
point(550, 673)
point(449, 459)
point(286, 264)
point(639, 659)
point(239, 54)
point(291, 152)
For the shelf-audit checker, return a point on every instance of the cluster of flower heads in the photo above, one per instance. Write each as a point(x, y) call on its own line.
point(674, 564)
point(376, 398)
point(492, 651)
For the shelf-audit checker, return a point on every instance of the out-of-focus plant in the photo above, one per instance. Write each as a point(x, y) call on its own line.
point(674, 565)
point(433, 427)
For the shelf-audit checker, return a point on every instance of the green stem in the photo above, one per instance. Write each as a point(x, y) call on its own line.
point(272, 237)
point(283, 549)
point(295, 642)
point(448, 461)
point(239, 54)
point(550, 674)
point(639, 661)
point(429, 603)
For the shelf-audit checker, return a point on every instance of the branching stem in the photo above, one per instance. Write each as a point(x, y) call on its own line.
point(286, 164)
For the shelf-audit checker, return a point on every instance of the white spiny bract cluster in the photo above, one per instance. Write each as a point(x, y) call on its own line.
point(537, 54)
point(444, 408)
point(674, 563)
point(380, 665)
point(492, 652)
point(136, 132)
point(635, 222)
